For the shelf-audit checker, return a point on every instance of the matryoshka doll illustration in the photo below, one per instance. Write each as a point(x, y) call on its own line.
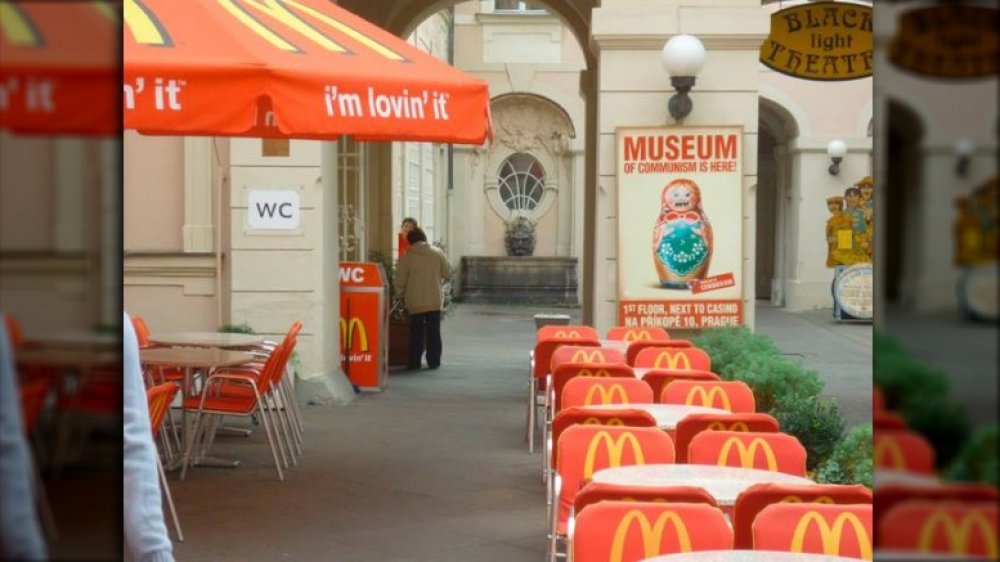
point(682, 237)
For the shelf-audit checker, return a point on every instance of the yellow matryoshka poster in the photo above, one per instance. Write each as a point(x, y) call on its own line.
point(680, 227)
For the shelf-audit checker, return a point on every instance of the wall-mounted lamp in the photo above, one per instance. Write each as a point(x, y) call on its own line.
point(836, 149)
point(683, 57)
point(963, 151)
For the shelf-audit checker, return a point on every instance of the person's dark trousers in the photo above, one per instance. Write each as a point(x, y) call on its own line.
point(425, 327)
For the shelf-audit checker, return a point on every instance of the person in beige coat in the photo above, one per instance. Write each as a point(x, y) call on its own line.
point(418, 279)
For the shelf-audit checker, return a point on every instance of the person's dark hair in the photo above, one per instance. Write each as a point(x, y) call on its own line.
point(410, 220)
point(416, 235)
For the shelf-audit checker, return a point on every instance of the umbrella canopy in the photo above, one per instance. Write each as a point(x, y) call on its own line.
point(288, 68)
point(59, 70)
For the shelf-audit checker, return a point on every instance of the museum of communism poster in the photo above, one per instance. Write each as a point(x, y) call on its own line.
point(680, 227)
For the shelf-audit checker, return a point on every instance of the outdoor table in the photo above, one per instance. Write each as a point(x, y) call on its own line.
point(666, 415)
point(748, 556)
point(207, 339)
point(81, 359)
point(616, 344)
point(882, 477)
point(73, 340)
point(724, 483)
point(884, 554)
point(191, 359)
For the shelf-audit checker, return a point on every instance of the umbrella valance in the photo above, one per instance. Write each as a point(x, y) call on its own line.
point(288, 68)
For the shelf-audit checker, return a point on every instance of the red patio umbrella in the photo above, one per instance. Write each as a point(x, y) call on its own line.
point(263, 68)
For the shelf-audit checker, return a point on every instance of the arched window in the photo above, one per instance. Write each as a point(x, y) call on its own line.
point(521, 182)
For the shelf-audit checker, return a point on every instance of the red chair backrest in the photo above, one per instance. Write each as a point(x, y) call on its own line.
point(33, 394)
point(777, 452)
point(159, 398)
point(141, 331)
point(754, 499)
point(636, 348)
point(14, 332)
point(960, 529)
point(569, 331)
point(588, 391)
point(585, 449)
point(622, 333)
point(598, 492)
point(544, 350)
point(694, 424)
point(621, 531)
point(585, 354)
point(815, 528)
point(618, 417)
point(568, 371)
point(890, 495)
point(733, 396)
point(681, 358)
point(884, 419)
point(659, 378)
point(902, 449)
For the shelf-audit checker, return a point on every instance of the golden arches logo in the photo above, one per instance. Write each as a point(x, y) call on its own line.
point(830, 535)
point(584, 356)
point(888, 446)
point(637, 335)
point(594, 373)
point(616, 449)
point(959, 533)
point(616, 422)
point(795, 499)
point(652, 533)
point(566, 334)
point(723, 426)
point(708, 397)
point(748, 453)
point(347, 332)
point(607, 394)
point(672, 360)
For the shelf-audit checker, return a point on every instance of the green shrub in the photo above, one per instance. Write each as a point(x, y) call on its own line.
point(904, 379)
point(237, 328)
point(942, 421)
point(816, 422)
point(977, 459)
point(851, 461)
point(730, 348)
point(775, 380)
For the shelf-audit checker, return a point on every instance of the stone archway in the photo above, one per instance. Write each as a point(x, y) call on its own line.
point(901, 205)
point(776, 130)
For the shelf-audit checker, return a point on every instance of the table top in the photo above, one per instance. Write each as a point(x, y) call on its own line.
point(73, 339)
point(193, 357)
point(616, 344)
point(667, 415)
point(66, 358)
point(881, 477)
point(748, 556)
point(724, 483)
point(883, 554)
point(207, 339)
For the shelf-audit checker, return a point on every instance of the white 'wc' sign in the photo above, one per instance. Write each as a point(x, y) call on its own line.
point(273, 209)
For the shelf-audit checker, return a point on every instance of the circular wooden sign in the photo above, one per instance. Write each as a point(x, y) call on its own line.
point(853, 291)
point(977, 292)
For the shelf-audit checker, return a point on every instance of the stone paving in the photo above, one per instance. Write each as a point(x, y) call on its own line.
point(434, 469)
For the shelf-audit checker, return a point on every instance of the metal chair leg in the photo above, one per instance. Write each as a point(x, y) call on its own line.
point(170, 499)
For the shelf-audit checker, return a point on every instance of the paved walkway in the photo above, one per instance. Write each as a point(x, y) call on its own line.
point(434, 469)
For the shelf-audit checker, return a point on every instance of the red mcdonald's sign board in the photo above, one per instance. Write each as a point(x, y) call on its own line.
point(362, 324)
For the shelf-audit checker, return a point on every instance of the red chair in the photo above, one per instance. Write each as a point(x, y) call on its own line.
point(619, 531)
point(568, 371)
point(878, 398)
point(659, 378)
point(159, 398)
point(891, 495)
point(942, 527)
point(683, 358)
point(902, 449)
point(815, 528)
point(585, 355)
point(582, 450)
point(141, 331)
point(637, 348)
point(594, 492)
point(540, 367)
point(733, 396)
point(622, 333)
point(14, 331)
point(588, 391)
point(567, 332)
point(754, 499)
point(33, 395)
point(884, 419)
point(694, 424)
point(777, 452)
